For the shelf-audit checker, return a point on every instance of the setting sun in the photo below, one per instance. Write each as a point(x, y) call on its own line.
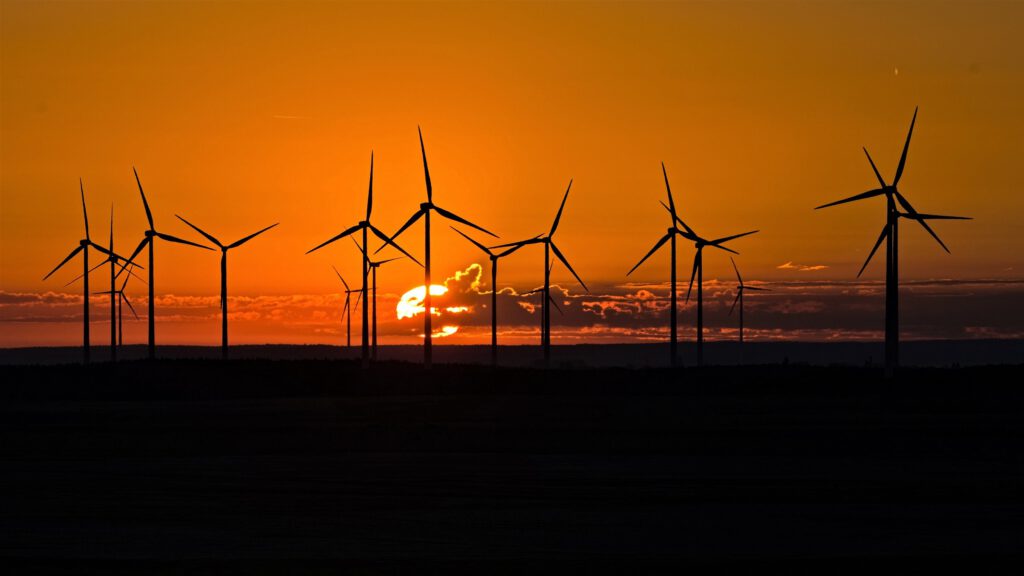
point(410, 305)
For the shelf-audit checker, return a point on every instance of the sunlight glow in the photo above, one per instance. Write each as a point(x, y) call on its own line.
point(411, 303)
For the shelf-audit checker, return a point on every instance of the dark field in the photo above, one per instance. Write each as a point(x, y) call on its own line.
point(315, 466)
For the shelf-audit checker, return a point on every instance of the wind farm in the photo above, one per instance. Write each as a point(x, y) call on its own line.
point(319, 364)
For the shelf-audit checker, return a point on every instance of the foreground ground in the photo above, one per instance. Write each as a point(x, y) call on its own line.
point(298, 466)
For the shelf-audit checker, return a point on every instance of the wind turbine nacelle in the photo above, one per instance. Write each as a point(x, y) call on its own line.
point(426, 206)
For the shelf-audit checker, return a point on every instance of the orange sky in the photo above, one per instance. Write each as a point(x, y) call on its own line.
point(239, 115)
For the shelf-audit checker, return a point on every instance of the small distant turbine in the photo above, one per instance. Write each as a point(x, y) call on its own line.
point(494, 286)
point(122, 298)
point(224, 277)
point(739, 295)
point(346, 313)
point(549, 246)
point(373, 294)
point(890, 233)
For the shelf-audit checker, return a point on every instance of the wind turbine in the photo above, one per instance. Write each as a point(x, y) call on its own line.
point(551, 301)
point(122, 298)
point(890, 233)
point(149, 241)
point(365, 226)
point(373, 293)
point(224, 277)
point(698, 273)
point(348, 312)
point(670, 237)
point(83, 247)
point(424, 212)
point(739, 295)
point(549, 246)
point(494, 287)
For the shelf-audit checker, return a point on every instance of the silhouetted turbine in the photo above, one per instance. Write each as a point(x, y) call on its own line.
point(670, 237)
point(373, 293)
point(122, 298)
point(150, 240)
point(424, 212)
point(83, 247)
point(890, 233)
point(698, 273)
point(549, 246)
point(365, 226)
point(551, 301)
point(739, 295)
point(347, 311)
point(224, 277)
point(494, 287)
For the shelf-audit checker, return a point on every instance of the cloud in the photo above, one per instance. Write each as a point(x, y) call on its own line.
point(793, 309)
point(801, 267)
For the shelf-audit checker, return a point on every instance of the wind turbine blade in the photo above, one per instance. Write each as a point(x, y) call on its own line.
point(536, 240)
point(881, 181)
point(251, 236)
point(755, 288)
point(138, 249)
point(881, 237)
point(145, 204)
point(382, 262)
point(558, 253)
point(461, 220)
point(733, 237)
point(906, 205)
point(358, 296)
point(726, 248)
point(861, 196)
point(384, 238)
point(409, 222)
point(475, 243)
point(344, 310)
point(696, 259)
point(360, 248)
point(91, 270)
point(906, 146)
point(555, 304)
point(515, 246)
point(201, 231)
point(935, 217)
point(738, 277)
point(734, 302)
point(355, 228)
point(426, 170)
point(657, 245)
point(85, 213)
point(65, 260)
point(558, 216)
point(127, 277)
point(668, 189)
point(101, 249)
point(690, 234)
point(340, 278)
point(170, 238)
point(369, 193)
point(129, 303)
